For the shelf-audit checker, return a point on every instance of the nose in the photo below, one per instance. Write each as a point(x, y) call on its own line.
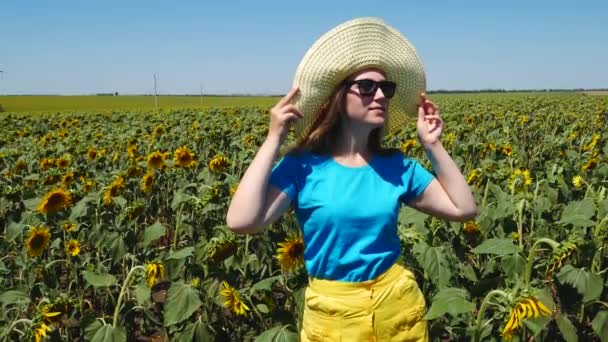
point(379, 94)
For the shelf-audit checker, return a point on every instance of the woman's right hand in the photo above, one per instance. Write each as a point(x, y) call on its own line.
point(282, 115)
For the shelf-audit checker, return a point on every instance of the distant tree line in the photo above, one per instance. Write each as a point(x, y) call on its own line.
point(442, 91)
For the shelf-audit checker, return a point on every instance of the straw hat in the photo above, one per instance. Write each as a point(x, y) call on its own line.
point(349, 47)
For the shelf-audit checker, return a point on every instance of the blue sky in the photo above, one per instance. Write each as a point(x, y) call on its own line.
point(254, 47)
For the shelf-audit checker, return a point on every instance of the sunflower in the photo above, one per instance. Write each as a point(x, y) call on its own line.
point(62, 162)
point(73, 247)
point(529, 307)
point(473, 176)
point(195, 282)
point(249, 140)
point(471, 227)
point(291, 253)
point(49, 316)
point(91, 154)
point(132, 150)
point(218, 164)
point(589, 146)
point(408, 145)
point(38, 240)
point(20, 165)
point(520, 179)
point(156, 160)
point(55, 200)
point(68, 178)
point(220, 250)
point(40, 331)
point(88, 186)
point(147, 181)
point(46, 163)
point(158, 130)
point(68, 226)
point(184, 157)
point(233, 189)
point(155, 271)
point(590, 165)
point(523, 119)
point(507, 150)
point(578, 181)
point(515, 236)
point(233, 300)
point(112, 189)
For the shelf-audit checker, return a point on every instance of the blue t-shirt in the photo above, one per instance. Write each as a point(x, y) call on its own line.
point(348, 215)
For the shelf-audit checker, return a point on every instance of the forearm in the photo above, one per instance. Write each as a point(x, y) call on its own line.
point(250, 197)
point(451, 178)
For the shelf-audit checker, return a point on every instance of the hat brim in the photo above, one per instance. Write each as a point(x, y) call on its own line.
point(353, 46)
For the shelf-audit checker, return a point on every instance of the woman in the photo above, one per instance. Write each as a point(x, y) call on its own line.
point(347, 189)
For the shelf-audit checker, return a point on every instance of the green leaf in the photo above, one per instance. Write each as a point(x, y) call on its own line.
point(567, 328)
point(411, 217)
point(32, 204)
point(536, 325)
point(14, 297)
point(117, 247)
point(263, 308)
point(600, 325)
point(196, 331)
point(181, 254)
point(99, 279)
point(504, 202)
point(587, 284)
point(142, 293)
point(14, 230)
point(496, 246)
point(434, 263)
point(278, 334)
point(468, 272)
point(155, 231)
point(80, 209)
point(182, 300)
point(107, 333)
point(579, 213)
point(449, 300)
point(513, 264)
point(264, 284)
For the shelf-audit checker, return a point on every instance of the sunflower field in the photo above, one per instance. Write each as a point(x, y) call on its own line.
point(113, 226)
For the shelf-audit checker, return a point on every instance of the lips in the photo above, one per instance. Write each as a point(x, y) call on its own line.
point(378, 108)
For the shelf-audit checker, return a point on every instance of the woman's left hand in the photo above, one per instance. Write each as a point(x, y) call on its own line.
point(430, 124)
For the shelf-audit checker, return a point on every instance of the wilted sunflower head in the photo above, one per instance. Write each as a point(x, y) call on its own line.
point(46, 163)
point(20, 165)
point(38, 240)
point(158, 130)
point(218, 164)
point(72, 247)
point(530, 307)
point(233, 300)
point(184, 157)
point(156, 160)
point(290, 255)
point(55, 200)
point(155, 271)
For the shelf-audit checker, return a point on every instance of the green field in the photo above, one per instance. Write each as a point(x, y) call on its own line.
point(35, 103)
point(68, 103)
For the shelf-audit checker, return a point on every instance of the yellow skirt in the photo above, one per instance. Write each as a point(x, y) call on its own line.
point(390, 307)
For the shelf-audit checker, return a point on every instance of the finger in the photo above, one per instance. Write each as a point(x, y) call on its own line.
point(433, 117)
point(421, 113)
point(287, 98)
point(291, 108)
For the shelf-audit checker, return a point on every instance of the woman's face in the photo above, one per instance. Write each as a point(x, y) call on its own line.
point(369, 110)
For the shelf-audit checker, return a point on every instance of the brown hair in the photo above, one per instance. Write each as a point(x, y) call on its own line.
point(324, 132)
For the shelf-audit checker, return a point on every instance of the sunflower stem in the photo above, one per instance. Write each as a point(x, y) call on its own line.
point(22, 320)
point(482, 309)
point(122, 293)
point(530, 259)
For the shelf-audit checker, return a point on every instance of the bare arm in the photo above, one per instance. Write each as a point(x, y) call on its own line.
point(448, 196)
point(255, 204)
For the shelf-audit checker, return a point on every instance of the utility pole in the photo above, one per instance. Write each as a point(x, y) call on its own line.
point(155, 95)
point(201, 97)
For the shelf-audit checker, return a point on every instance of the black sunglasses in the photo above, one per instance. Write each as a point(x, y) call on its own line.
point(369, 87)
